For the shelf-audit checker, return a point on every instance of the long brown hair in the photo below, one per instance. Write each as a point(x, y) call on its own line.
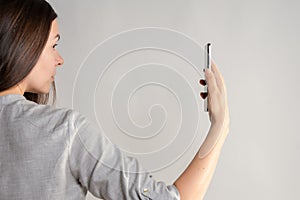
point(24, 30)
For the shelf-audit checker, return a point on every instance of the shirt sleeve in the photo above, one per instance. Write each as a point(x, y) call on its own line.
point(104, 170)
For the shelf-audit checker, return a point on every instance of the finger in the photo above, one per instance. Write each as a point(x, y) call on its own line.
point(203, 95)
point(218, 76)
point(216, 71)
point(211, 81)
point(202, 82)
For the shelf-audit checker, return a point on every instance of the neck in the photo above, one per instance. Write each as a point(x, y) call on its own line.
point(13, 90)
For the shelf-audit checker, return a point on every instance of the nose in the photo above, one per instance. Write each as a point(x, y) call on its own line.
point(59, 60)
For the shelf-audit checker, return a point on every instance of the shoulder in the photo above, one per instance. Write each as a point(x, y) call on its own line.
point(49, 118)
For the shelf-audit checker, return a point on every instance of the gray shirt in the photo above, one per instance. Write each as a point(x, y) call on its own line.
point(50, 153)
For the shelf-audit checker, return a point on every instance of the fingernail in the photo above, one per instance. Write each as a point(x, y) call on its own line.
point(202, 82)
point(203, 95)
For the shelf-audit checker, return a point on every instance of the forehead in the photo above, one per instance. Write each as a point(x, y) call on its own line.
point(54, 29)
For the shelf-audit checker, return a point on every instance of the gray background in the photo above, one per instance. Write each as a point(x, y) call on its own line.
point(255, 44)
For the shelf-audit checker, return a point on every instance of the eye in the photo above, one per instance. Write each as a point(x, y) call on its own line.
point(54, 46)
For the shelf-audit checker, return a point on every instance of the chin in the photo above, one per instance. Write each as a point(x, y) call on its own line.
point(45, 92)
point(41, 91)
point(45, 89)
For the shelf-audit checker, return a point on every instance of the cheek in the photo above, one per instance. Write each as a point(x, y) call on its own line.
point(46, 63)
point(43, 69)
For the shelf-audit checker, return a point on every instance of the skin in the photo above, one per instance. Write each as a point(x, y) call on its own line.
point(193, 182)
point(40, 78)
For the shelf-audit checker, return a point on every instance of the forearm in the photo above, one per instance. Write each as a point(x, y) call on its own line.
point(194, 181)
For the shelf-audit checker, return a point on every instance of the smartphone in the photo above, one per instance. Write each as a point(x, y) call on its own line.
point(207, 65)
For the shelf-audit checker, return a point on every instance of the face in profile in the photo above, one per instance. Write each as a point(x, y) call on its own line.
point(40, 79)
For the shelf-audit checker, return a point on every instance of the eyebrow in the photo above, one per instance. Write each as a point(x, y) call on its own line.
point(57, 36)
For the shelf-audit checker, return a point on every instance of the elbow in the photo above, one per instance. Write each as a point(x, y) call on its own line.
point(190, 195)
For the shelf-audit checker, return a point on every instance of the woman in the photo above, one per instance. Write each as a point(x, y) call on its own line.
point(49, 153)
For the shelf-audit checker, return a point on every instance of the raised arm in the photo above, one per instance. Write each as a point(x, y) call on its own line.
point(192, 184)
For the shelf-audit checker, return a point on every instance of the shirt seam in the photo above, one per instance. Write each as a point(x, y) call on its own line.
point(69, 144)
point(85, 148)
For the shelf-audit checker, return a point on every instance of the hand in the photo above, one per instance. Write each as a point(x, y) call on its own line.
point(217, 97)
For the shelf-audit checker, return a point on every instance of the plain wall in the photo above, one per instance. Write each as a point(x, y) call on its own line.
point(255, 45)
